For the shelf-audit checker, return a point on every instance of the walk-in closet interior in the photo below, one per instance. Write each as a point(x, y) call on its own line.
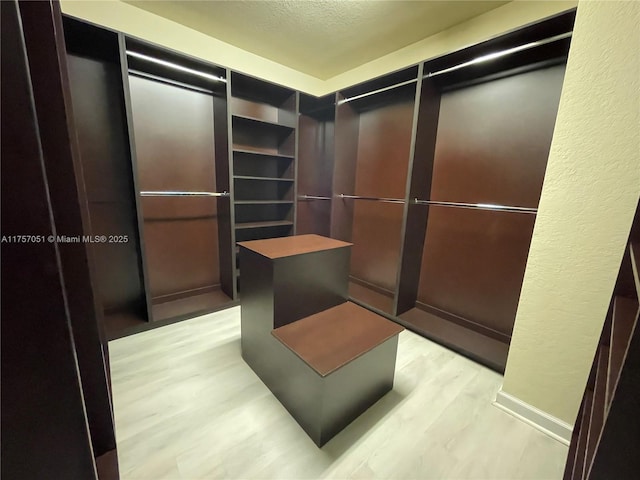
point(433, 172)
point(240, 249)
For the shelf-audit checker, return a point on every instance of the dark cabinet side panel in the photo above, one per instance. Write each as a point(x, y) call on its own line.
point(100, 122)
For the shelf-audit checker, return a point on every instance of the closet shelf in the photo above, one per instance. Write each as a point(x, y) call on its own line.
point(276, 223)
point(263, 202)
point(271, 179)
point(624, 317)
point(260, 121)
point(634, 251)
point(263, 154)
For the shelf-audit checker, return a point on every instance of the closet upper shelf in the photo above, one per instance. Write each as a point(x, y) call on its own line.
point(276, 179)
point(271, 123)
point(265, 224)
point(259, 153)
point(263, 202)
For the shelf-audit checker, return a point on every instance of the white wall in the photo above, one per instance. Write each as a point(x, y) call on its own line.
point(588, 200)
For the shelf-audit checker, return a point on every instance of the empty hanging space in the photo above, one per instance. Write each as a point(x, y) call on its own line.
point(483, 136)
point(180, 168)
point(372, 150)
point(316, 126)
point(98, 106)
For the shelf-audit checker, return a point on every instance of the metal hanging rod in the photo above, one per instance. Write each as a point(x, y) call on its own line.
point(380, 90)
point(183, 194)
point(167, 81)
point(375, 199)
point(501, 53)
point(312, 197)
point(175, 66)
point(478, 206)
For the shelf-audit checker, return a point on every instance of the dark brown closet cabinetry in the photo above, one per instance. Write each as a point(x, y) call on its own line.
point(263, 139)
point(182, 179)
point(372, 150)
point(433, 172)
point(606, 432)
point(153, 132)
point(483, 135)
point(316, 131)
point(93, 59)
point(264, 118)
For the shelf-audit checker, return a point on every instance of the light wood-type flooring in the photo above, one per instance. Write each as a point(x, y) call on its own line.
point(188, 407)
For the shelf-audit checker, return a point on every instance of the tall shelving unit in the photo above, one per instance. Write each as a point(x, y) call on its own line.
point(607, 425)
point(263, 158)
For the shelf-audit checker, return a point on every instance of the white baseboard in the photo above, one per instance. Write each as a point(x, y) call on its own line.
point(548, 424)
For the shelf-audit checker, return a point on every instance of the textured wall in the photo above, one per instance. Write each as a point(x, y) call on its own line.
point(588, 199)
point(142, 24)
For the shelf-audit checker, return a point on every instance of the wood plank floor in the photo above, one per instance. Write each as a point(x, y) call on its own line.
point(187, 407)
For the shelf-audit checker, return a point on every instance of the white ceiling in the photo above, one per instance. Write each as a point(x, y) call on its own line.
point(322, 38)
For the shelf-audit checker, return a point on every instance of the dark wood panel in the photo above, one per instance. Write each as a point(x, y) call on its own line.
point(598, 405)
point(263, 212)
point(44, 40)
point(318, 279)
point(334, 337)
point(344, 176)
point(257, 189)
point(493, 139)
point(222, 135)
point(420, 184)
point(384, 144)
point(117, 263)
point(44, 425)
point(174, 132)
point(625, 314)
point(371, 296)
point(313, 216)
point(174, 137)
point(617, 453)
point(482, 348)
point(252, 165)
point(107, 466)
point(578, 469)
point(296, 245)
point(315, 156)
point(473, 264)
point(181, 254)
point(191, 305)
point(377, 240)
point(96, 88)
point(259, 110)
point(265, 137)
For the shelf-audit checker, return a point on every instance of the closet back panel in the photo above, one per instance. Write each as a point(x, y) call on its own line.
point(384, 143)
point(96, 89)
point(376, 232)
point(493, 139)
point(175, 151)
point(315, 174)
point(473, 264)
